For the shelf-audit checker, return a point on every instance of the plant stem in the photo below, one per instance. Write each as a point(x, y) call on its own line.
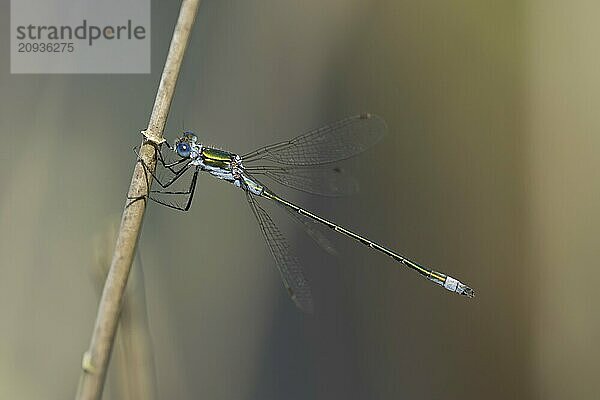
point(96, 359)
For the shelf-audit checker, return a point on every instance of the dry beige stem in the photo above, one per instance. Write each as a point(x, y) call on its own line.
point(95, 360)
point(132, 369)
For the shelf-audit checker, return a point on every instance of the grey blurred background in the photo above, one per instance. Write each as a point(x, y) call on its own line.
point(488, 172)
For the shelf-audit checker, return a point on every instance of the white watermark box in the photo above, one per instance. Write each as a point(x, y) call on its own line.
point(80, 36)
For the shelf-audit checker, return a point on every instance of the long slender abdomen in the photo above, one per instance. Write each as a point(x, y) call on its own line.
point(441, 279)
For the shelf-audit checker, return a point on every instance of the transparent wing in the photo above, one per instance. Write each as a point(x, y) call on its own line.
point(321, 181)
point(313, 231)
point(287, 263)
point(331, 143)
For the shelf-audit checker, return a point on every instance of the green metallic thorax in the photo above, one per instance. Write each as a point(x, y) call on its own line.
point(217, 158)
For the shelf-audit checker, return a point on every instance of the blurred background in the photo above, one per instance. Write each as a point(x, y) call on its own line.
point(488, 172)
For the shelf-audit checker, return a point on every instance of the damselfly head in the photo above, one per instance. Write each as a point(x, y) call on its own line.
point(184, 144)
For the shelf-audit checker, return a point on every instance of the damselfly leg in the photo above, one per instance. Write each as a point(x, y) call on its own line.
point(178, 198)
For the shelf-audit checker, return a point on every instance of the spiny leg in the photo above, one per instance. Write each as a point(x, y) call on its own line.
point(176, 173)
point(189, 192)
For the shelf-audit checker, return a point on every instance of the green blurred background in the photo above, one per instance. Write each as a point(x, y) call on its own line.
point(488, 172)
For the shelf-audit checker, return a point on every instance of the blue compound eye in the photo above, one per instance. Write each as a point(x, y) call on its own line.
point(184, 149)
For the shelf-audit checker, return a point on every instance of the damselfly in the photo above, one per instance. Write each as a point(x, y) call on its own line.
point(297, 163)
